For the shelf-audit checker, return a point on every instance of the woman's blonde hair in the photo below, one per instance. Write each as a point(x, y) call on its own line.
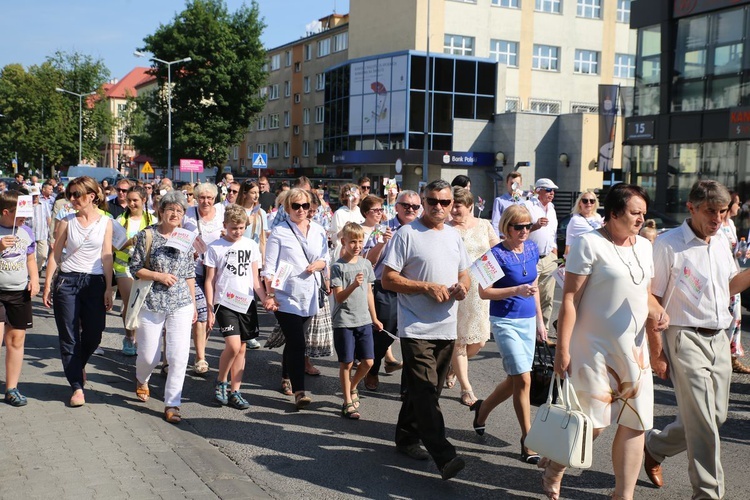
point(295, 194)
point(577, 206)
point(514, 214)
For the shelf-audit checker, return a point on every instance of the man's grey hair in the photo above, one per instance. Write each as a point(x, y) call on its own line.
point(437, 185)
point(711, 192)
point(406, 192)
point(173, 197)
point(205, 188)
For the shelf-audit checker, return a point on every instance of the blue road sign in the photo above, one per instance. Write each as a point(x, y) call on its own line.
point(260, 160)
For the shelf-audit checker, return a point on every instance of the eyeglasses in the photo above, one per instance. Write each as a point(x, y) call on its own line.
point(434, 201)
point(177, 211)
point(588, 201)
point(365, 188)
point(409, 206)
point(297, 206)
point(120, 190)
point(376, 210)
point(77, 194)
point(234, 191)
point(521, 227)
point(549, 190)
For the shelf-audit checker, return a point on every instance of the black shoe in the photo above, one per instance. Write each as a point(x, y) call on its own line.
point(452, 468)
point(479, 429)
point(529, 458)
point(413, 451)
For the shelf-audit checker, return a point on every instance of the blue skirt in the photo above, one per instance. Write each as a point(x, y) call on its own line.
point(515, 339)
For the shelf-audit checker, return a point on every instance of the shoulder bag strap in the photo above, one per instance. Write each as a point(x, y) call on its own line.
point(303, 250)
point(149, 239)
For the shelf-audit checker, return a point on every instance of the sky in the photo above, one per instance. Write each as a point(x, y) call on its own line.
point(111, 30)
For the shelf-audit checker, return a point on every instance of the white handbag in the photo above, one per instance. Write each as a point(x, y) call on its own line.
point(139, 291)
point(561, 431)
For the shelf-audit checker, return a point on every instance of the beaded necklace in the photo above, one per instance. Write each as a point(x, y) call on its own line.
point(632, 247)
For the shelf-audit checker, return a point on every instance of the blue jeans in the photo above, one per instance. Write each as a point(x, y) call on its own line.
point(78, 302)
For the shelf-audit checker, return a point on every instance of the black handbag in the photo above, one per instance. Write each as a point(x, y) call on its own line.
point(542, 373)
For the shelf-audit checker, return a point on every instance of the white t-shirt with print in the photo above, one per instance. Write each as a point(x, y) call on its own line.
point(233, 264)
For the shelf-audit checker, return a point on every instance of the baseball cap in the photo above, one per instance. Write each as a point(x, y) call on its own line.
point(545, 183)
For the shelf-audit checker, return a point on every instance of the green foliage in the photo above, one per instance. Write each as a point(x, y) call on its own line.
point(214, 96)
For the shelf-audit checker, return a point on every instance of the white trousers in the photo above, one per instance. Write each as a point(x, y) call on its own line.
point(148, 335)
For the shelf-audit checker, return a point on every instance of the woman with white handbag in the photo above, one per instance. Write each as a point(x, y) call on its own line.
point(601, 339)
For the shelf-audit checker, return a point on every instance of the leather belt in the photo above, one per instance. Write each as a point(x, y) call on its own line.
point(708, 331)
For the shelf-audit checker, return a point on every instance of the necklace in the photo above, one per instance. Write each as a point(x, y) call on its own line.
point(523, 264)
point(630, 269)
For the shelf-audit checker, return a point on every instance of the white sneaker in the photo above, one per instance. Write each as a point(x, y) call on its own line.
point(99, 351)
point(253, 344)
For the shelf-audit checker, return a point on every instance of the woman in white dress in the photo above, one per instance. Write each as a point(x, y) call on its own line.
point(601, 339)
point(585, 218)
point(347, 212)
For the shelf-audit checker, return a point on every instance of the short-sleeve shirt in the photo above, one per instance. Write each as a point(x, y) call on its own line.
point(209, 231)
point(432, 255)
point(579, 225)
point(233, 262)
point(14, 276)
point(354, 311)
point(514, 265)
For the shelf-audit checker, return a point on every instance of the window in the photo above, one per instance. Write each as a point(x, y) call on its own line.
point(306, 84)
point(275, 62)
point(308, 51)
point(623, 11)
point(544, 106)
point(273, 150)
point(582, 107)
point(287, 150)
point(273, 91)
point(624, 66)
point(236, 152)
point(261, 148)
point(320, 81)
point(513, 4)
point(548, 6)
point(319, 147)
point(263, 92)
point(264, 68)
point(297, 98)
point(324, 47)
point(459, 45)
point(306, 116)
point(297, 67)
point(305, 148)
point(504, 52)
point(262, 123)
point(320, 114)
point(286, 119)
point(296, 129)
point(295, 160)
point(287, 88)
point(340, 42)
point(586, 62)
point(546, 57)
point(249, 150)
point(512, 104)
point(589, 8)
point(288, 58)
point(273, 121)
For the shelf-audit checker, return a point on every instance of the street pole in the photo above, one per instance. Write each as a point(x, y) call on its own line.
point(425, 158)
point(80, 118)
point(169, 103)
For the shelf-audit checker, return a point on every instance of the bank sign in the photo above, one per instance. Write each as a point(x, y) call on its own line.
point(467, 159)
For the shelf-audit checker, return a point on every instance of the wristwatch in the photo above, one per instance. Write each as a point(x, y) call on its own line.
point(270, 295)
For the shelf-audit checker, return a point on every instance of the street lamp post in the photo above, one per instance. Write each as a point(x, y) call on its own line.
point(80, 117)
point(169, 64)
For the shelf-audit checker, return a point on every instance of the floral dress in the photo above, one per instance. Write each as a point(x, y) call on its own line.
point(473, 312)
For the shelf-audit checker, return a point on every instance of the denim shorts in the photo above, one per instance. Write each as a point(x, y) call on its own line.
point(515, 339)
point(351, 343)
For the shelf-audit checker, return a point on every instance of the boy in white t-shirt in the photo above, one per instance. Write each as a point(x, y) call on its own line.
point(231, 270)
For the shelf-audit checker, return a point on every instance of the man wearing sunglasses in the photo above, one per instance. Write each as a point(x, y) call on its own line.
point(232, 192)
point(119, 205)
point(544, 234)
point(426, 264)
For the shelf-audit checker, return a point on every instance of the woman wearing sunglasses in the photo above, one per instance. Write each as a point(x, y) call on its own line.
point(585, 218)
point(300, 247)
point(82, 292)
point(516, 321)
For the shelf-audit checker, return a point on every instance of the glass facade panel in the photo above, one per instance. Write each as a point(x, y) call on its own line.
point(648, 72)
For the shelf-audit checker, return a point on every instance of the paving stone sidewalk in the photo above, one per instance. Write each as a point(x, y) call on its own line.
point(114, 447)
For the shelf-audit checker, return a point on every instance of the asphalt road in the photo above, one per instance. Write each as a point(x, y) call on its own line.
point(318, 454)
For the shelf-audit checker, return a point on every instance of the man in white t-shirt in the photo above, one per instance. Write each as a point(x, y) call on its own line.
point(427, 265)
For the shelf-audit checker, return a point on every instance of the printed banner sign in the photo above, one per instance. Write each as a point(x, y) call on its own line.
point(119, 235)
point(181, 239)
point(486, 270)
point(25, 206)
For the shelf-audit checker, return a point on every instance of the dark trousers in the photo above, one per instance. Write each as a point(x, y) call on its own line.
point(293, 357)
point(426, 364)
point(78, 302)
point(386, 309)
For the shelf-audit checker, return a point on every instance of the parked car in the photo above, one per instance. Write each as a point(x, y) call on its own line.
point(663, 222)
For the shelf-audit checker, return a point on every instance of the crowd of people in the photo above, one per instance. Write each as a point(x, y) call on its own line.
point(353, 280)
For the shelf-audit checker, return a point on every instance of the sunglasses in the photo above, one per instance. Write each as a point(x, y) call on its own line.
point(434, 201)
point(588, 201)
point(78, 194)
point(376, 210)
point(521, 227)
point(297, 206)
point(234, 191)
point(149, 187)
point(119, 190)
point(365, 188)
point(549, 190)
point(408, 206)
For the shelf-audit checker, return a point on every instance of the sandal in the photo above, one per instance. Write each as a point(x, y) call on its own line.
point(312, 371)
point(450, 380)
point(301, 400)
point(355, 398)
point(349, 411)
point(286, 387)
point(371, 382)
point(468, 398)
point(738, 367)
point(172, 414)
point(201, 367)
point(392, 366)
point(552, 477)
point(142, 392)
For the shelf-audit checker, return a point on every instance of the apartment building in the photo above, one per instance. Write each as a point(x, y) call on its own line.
point(290, 127)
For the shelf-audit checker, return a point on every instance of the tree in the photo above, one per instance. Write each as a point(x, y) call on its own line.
point(214, 96)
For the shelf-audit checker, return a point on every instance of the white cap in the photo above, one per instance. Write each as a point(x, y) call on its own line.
point(545, 183)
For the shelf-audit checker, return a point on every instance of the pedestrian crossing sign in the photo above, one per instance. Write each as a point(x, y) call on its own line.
point(260, 160)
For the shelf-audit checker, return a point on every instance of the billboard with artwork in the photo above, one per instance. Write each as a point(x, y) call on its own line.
point(377, 96)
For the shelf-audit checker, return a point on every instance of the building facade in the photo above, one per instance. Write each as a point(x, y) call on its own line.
point(692, 98)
